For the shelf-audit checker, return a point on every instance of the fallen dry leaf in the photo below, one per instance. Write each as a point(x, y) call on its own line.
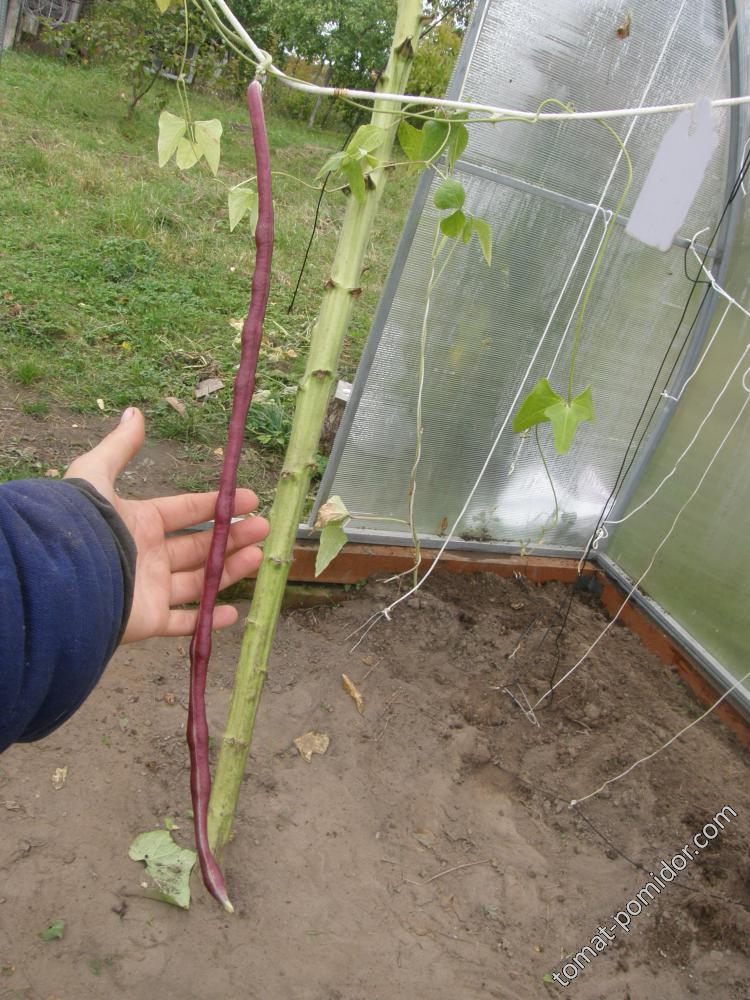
point(176, 404)
point(52, 473)
point(207, 386)
point(58, 778)
point(353, 692)
point(100, 403)
point(312, 743)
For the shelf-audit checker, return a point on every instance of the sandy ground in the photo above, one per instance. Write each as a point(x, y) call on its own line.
point(340, 867)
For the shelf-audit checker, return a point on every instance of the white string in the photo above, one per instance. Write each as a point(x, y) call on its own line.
point(659, 547)
point(730, 302)
point(511, 409)
point(367, 95)
point(607, 217)
point(438, 102)
point(650, 756)
point(701, 425)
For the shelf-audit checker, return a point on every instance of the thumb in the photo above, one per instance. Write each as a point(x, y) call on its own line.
point(103, 464)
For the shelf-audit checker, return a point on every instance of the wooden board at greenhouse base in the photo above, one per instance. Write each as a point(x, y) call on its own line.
point(335, 861)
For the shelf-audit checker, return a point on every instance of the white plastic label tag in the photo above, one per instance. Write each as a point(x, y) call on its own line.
point(674, 178)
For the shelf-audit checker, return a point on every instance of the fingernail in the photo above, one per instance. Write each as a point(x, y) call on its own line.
point(130, 412)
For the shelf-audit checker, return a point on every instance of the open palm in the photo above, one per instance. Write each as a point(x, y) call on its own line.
point(169, 569)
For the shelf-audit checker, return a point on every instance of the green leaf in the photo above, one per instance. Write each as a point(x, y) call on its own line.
point(434, 134)
point(547, 978)
point(163, 5)
point(187, 155)
point(208, 142)
point(565, 418)
point(467, 230)
point(241, 201)
point(484, 235)
point(168, 864)
point(332, 164)
point(54, 932)
point(171, 131)
point(330, 521)
point(459, 137)
point(533, 410)
point(332, 541)
point(365, 140)
point(352, 170)
point(452, 225)
point(450, 194)
point(411, 140)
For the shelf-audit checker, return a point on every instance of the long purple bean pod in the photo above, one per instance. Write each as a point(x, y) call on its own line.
point(244, 386)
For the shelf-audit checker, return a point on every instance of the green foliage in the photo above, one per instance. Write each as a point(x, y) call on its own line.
point(543, 404)
point(54, 932)
point(141, 36)
point(450, 194)
point(189, 142)
point(122, 278)
point(356, 159)
point(241, 201)
point(330, 521)
point(434, 61)
point(168, 864)
point(566, 416)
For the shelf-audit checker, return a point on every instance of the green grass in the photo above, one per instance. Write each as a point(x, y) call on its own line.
point(118, 280)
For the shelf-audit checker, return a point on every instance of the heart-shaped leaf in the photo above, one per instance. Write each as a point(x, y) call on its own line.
point(240, 202)
point(457, 141)
point(450, 194)
point(565, 418)
point(452, 225)
point(332, 164)
point(187, 154)
point(352, 170)
point(484, 235)
point(163, 5)
point(533, 410)
point(168, 864)
point(411, 141)
point(171, 131)
point(434, 134)
point(208, 142)
point(365, 140)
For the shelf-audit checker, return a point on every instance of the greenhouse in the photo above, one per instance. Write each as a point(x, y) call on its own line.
point(373, 499)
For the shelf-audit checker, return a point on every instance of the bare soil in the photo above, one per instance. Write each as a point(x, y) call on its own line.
point(340, 868)
point(430, 853)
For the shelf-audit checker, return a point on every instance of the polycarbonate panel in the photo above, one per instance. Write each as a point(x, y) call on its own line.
point(570, 50)
point(485, 324)
point(702, 574)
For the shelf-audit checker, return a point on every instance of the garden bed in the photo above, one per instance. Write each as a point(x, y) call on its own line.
point(340, 867)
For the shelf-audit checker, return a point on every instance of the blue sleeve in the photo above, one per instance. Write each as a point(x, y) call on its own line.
point(66, 571)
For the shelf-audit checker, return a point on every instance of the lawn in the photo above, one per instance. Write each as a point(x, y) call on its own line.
point(119, 281)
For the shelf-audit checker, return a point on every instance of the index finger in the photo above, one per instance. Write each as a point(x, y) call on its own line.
point(194, 508)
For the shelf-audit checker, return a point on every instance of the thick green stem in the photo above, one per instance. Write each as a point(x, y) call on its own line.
point(299, 462)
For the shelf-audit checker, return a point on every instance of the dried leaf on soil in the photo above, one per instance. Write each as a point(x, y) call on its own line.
point(354, 693)
point(176, 404)
point(207, 386)
point(312, 743)
point(58, 778)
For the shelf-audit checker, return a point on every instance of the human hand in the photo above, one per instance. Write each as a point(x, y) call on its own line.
point(169, 571)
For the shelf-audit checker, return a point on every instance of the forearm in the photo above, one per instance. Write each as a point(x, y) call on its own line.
point(67, 567)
